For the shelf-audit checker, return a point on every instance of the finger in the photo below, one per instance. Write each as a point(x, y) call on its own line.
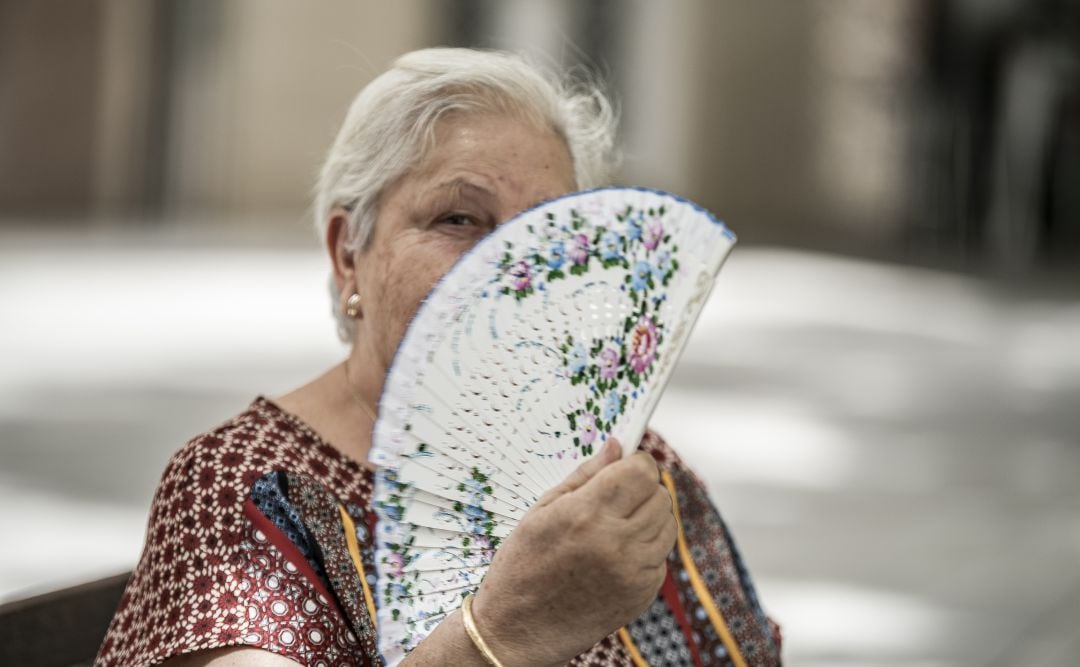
point(658, 548)
point(651, 517)
point(623, 487)
point(608, 454)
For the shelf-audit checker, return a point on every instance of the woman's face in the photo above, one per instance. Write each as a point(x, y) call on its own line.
point(482, 171)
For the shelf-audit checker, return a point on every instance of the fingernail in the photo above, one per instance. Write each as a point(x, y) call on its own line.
point(611, 445)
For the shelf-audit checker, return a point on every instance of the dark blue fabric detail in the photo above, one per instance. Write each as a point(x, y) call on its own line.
point(270, 493)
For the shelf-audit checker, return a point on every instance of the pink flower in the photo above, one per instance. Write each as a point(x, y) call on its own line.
point(579, 249)
point(609, 363)
point(642, 344)
point(521, 276)
point(654, 232)
point(396, 563)
point(588, 428)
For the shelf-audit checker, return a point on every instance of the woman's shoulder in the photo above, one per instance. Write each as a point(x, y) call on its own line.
point(262, 438)
point(209, 557)
point(665, 455)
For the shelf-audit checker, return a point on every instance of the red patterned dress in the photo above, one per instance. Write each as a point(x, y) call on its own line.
point(260, 535)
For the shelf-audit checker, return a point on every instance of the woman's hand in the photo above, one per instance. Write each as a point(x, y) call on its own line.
point(588, 558)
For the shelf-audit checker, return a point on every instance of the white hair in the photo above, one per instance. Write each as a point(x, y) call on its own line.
point(391, 125)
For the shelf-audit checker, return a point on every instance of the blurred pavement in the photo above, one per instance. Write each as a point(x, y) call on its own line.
point(897, 450)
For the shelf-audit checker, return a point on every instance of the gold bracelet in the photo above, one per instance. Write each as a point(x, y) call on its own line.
point(474, 634)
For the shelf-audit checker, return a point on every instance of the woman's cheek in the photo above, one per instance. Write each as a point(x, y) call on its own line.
point(409, 272)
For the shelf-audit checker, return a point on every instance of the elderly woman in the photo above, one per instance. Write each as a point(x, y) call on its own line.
point(259, 545)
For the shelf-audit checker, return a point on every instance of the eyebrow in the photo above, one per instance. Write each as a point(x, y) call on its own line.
point(456, 185)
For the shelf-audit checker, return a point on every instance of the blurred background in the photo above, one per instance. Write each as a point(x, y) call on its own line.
point(883, 394)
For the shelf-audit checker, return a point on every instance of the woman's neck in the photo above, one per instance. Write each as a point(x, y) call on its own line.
point(340, 405)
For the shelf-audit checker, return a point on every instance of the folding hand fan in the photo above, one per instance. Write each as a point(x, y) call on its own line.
point(557, 331)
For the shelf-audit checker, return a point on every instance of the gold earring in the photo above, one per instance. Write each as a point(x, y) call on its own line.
point(352, 306)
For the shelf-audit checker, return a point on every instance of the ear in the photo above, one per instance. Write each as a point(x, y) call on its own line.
point(342, 258)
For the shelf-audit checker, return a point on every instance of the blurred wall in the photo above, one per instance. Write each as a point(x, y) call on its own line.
point(260, 89)
point(48, 94)
point(906, 128)
point(121, 110)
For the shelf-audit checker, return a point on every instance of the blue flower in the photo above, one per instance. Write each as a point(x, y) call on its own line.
point(474, 512)
point(578, 359)
point(633, 230)
point(611, 245)
point(475, 488)
point(612, 403)
point(557, 256)
point(663, 265)
point(392, 511)
point(639, 280)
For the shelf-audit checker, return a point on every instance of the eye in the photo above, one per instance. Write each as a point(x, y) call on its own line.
point(458, 220)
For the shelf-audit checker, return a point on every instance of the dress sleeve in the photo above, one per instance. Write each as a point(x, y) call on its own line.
point(218, 572)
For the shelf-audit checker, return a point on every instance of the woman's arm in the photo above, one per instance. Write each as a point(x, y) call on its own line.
point(588, 558)
point(237, 656)
point(449, 644)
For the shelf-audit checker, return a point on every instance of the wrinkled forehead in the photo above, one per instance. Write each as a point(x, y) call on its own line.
point(529, 117)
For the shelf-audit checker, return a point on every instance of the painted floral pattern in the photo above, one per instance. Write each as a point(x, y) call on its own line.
point(481, 521)
point(613, 368)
